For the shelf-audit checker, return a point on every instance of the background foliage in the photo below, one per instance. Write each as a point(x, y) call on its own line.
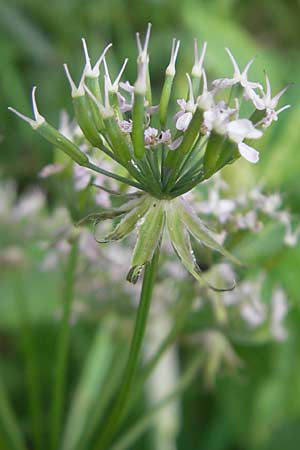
point(260, 409)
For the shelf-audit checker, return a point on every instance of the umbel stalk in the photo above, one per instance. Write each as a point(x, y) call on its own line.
point(114, 419)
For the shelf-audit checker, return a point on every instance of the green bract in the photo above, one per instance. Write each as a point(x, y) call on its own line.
point(148, 216)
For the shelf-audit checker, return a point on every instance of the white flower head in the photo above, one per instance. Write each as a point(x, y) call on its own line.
point(150, 135)
point(266, 101)
point(165, 137)
point(239, 76)
point(241, 129)
point(82, 177)
point(272, 116)
point(125, 126)
point(50, 169)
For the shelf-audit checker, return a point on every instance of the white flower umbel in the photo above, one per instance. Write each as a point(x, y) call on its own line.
point(241, 129)
point(125, 125)
point(38, 118)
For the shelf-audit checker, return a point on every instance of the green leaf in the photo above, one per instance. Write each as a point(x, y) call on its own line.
point(200, 231)
point(90, 384)
point(182, 245)
point(149, 236)
point(129, 222)
point(10, 433)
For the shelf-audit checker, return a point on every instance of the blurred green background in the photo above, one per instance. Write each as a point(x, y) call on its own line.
point(260, 411)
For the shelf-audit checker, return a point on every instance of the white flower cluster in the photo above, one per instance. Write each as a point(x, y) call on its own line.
point(217, 115)
point(224, 120)
point(247, 298)
point(246, 211)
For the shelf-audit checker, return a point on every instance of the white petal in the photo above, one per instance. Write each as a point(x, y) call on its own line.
point(182, 103)
point(175, 144)
point(249, 153)
point(240, 129)
point(183, 122)
point(209, 118)
point(222, 83)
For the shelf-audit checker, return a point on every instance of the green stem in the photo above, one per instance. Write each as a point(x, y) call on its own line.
point(63, 347)
point(181, 316)
point(180, 190)
point(114, 175)
point(141, 426)
point(113, 421)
